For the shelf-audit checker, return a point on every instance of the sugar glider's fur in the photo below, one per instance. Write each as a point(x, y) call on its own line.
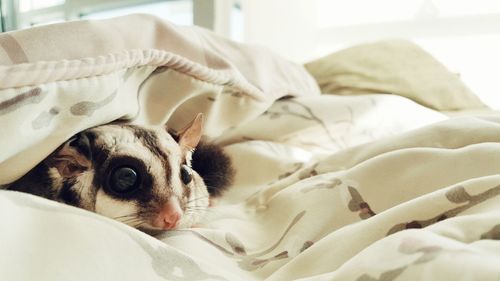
point(147, 177)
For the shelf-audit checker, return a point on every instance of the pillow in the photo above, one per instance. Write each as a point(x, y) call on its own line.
point(396, 67)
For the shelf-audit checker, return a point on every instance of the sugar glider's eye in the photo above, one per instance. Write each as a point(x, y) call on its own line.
point(124, 179)
point(186, 175)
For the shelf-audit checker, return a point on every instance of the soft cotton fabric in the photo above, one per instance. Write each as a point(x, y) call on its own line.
point(366, 187)
point(396, 67)
point(59, 79)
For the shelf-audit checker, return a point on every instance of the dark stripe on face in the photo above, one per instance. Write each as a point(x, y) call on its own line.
point(98, 154)
point(186, 191)
point(68, 194)
point(150, 140)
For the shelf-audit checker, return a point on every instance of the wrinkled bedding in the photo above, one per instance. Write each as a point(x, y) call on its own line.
point(367, 187)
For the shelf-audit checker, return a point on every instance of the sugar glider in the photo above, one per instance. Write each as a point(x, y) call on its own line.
point(145, 176)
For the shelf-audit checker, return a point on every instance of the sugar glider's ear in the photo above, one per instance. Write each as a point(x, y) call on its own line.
point(73, 157)
point(189, 137)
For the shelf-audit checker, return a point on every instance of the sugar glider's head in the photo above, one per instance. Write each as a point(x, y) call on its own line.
point(139, 175)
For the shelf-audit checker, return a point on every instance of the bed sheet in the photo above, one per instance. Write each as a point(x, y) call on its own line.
point(365, 187)
point(414, 204)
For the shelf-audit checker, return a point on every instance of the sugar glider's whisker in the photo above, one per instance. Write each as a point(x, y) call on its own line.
point(195, 207)
point(132, 220)
point(197, 210)
point(138, 225)
point(198, 198)
point(125, 216)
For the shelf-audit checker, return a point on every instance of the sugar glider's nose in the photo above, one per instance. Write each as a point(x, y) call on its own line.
point(81, 143)
point(169, 215)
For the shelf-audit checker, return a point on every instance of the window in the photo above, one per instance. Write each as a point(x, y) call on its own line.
point(25, 13)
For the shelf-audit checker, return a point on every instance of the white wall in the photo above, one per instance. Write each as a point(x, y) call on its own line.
point(463, 34)
point(285, 26)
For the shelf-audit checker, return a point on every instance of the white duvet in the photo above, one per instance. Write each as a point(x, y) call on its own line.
point(369, 187)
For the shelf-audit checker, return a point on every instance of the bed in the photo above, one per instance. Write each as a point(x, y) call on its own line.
point(373, 163)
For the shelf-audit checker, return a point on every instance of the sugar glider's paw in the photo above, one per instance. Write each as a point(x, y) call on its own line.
point(214, 166)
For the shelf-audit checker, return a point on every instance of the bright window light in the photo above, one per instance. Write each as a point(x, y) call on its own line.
point(448, 8)
point(28, 5)
point(333, 13)
point(178, 12)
